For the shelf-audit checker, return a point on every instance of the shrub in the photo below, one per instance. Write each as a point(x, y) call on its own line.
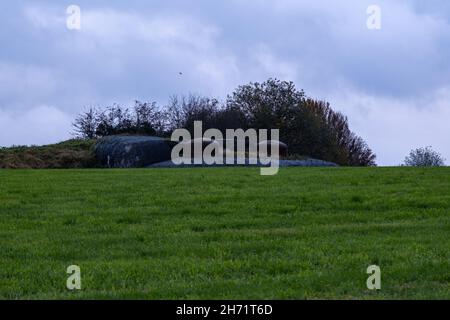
point(424, 157)
point(309, 127)
point(142, 119)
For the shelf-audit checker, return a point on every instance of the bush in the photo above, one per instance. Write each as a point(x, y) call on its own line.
point(183, 111)
point(309, 127)
point(142, 119)
point(424, 157)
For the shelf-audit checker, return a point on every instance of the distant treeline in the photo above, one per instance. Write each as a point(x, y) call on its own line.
point(309, 127)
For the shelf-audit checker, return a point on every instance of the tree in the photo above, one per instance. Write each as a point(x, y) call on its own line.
point(148, 119)
point(339, 141)
point(183, 111)
point(268, 105)
point(144, 118)
point(85, 124)
point(310, 127)
point(424, 157)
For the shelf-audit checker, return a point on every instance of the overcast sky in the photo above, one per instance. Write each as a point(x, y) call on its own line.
point(392, 83)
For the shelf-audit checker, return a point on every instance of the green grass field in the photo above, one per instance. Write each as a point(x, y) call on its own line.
point(212, 233)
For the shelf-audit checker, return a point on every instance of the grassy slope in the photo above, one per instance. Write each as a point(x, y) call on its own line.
point(66, 154)
point(225, 233)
